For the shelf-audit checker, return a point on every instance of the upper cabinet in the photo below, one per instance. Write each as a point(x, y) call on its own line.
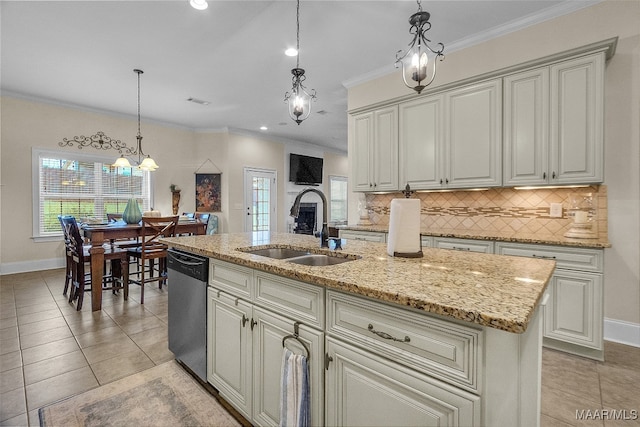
point(452, 140)
point(374, 150)
point(539, 123)
point(553, 128)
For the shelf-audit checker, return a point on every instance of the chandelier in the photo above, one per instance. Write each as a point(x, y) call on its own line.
point(299, 99)
point(145, 163)
point(419, 60)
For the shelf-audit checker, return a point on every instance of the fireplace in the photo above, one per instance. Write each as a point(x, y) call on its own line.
point(306, 221)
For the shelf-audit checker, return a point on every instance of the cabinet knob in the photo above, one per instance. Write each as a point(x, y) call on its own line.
point(553, 175)
point(253, 323)
point(244, 320)
point(327, 359)
point(440, 181)
point(544, 175)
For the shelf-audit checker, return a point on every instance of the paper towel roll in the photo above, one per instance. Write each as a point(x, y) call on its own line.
point(404, 227)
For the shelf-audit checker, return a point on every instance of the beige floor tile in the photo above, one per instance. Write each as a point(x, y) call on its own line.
point(36, 317)
point(562, 406)
point(101, 336)
point(25, 300)
point(159, 351)
point(20, 420)
point(43, 325)
point(10, 361)
point(34, 418)
point(8, 322)
point(7, 310)
point(54, 366)
point(620, 387)
point(58, 387)
point(621, 355)
point(13, 404)
point(9, 345)
point(547, 421)
point(122, 365)
point(100, 352)
point(42, 305)
point(11, 379)
point(136, 326)
point(49, 350)
point(9, 333)
point(44, 337)
point(84, 325)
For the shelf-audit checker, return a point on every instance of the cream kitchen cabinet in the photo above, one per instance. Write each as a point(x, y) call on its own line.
point(369, 236)
point(453, 139)
point(374, 150)
point(553, 127)
point(468, 245)
point(245, 338)
point(573, 315)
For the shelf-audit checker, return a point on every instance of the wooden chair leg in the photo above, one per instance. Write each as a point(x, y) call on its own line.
point(125, 277)
point(67, 275)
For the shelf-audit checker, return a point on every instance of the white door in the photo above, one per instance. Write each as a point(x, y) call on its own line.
point(260, 199)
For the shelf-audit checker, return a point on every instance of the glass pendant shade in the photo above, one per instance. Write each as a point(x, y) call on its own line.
point(299, 104)
point(122, 162)
point(148, 164)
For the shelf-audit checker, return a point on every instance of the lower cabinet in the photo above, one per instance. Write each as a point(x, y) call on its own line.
point(366, 389)
point(573, 316)
point(245, 348)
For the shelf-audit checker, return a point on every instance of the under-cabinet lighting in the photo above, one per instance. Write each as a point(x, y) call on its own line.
point(547, 187)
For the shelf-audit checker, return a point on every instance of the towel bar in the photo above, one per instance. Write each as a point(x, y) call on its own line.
point(296, 336)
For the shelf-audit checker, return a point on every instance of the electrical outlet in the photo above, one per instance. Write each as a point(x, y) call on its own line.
point(555, 210)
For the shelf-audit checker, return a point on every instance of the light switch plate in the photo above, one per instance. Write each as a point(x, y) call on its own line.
point(555, 210)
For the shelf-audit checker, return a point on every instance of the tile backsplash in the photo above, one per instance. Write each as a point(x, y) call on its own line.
point(499, 209)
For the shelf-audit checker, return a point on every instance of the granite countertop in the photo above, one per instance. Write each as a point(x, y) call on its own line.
point(490, 290)
point(512, 236)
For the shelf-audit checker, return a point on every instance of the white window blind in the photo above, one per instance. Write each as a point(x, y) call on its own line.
point(84, 186)
point(338, 198)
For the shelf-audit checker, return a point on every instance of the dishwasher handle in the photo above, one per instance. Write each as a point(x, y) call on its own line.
point(189, 264)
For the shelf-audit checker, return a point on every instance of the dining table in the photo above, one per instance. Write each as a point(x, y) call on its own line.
point(101, 234)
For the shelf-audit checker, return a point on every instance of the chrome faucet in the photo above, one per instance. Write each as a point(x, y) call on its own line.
point(295, 211)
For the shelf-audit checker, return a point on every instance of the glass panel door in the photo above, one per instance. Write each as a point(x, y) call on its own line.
point(260, 200)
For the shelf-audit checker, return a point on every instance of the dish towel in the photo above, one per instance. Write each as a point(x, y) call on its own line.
point(294, 397)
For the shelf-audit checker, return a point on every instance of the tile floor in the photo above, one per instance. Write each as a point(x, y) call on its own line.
point(49, 351)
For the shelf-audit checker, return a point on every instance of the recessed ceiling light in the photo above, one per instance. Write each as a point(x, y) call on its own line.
point(292, 51)
point(199, 4)
point(263, 128)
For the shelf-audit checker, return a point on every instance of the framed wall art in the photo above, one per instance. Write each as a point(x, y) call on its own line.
point(208, 192)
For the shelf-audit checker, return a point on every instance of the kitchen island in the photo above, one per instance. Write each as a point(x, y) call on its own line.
point(452, 337)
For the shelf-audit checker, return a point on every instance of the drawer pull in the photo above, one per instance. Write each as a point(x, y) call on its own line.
point(458, 248)
point(386, 336)
point(543, 256)
point(245, 319)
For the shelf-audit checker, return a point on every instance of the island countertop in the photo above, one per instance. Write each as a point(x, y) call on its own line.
point(490, 290)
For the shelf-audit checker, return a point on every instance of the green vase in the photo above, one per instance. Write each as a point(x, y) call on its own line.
point(132, 213)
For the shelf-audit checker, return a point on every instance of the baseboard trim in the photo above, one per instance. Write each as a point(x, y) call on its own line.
point(28, 266)
point(622, 332)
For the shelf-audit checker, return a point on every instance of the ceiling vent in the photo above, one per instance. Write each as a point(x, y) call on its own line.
point(198, 101)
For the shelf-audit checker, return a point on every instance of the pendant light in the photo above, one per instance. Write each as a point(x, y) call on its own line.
point(299, 99)
point(419, 61)
point(145, 163)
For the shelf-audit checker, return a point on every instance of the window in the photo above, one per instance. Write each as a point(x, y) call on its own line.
point(338, 198)
point(84, 186)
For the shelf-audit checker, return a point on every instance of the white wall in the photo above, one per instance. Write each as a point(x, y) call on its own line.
point(178, 152)
point(611, 18)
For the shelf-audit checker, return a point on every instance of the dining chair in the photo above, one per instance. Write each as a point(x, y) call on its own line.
point(114, 217)
point(212, 225)
point(151, 249)
point(67, 255)
point(80, 257)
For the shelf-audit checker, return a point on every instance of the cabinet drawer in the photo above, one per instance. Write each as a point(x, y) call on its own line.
point(300, 301)
point(369, 236)
point(447, 351)
point(582, 259)
point(469, 245)
point(426, 241)
point(231, 277)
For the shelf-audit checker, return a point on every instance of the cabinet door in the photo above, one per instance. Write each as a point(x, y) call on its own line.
point(574, 311)
point(420, 145)
point(365, 389)
point(526, 128)
point(268, 333)
point(360, 152)
point(474, 136)
point(229, 349)
point(577, 148)
point(385, 167)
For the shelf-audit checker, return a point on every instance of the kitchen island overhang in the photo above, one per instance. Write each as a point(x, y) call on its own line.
point(497, 291)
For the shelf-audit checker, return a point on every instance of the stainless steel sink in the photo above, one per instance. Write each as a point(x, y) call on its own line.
point(277, 253)
point(319, 260)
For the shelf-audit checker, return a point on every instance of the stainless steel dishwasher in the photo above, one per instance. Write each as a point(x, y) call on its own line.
point(188, 276)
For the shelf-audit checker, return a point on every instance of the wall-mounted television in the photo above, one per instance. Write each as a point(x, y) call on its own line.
point(305, 169)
